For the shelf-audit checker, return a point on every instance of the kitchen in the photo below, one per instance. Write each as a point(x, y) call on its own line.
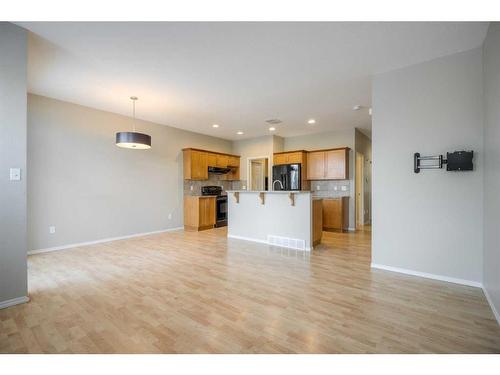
point(280, 204)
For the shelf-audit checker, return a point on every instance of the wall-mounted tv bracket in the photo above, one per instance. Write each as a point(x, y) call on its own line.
point(455, 161)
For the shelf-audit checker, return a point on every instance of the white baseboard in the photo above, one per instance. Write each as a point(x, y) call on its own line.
point(428, 275)
point(13, 301)
point(490, 301)
point(70, 246)
point(259, 241)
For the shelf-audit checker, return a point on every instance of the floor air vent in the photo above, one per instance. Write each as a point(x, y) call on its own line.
point(291, 243)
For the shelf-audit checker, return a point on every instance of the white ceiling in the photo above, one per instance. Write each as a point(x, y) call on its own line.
point(192, 75)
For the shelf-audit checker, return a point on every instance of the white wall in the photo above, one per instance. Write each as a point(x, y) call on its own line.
point(252, 220)
point(13, 278)
point(251, 148)
point(90, 189)
point(491, 61)
point(431, 222)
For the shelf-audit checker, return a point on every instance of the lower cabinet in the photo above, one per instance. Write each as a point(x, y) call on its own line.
point(317, 221)
point(336, 214)
point(199, 212)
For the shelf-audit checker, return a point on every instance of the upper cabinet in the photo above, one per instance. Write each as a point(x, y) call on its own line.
point(316, 165)
point(293, 157)
point(328, 164)
point(196, 163)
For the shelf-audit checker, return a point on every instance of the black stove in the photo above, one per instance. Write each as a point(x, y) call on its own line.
point(221, 203)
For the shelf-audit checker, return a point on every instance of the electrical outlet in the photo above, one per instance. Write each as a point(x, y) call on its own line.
point(243, 187)
point(170, 216)
point(335, 188)
point(344, 188)
point(15, 174)
point(52, 229)
point(191, 187)
point(318, 187)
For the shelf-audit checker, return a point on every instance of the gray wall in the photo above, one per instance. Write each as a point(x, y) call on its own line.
point(491, 61)
point(250, 148)
point(430, 222)
point(13, 47)
point(90, 189)
point(318, 141)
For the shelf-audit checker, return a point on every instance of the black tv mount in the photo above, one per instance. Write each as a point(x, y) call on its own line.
point(455, 161)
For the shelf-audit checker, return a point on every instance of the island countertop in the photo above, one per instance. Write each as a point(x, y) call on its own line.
point(270, 191)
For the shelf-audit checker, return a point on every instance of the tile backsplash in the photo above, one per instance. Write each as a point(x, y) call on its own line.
point(192, 187)
point(330, 188)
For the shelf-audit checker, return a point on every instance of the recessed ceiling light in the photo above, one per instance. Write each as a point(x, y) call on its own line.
point(272, 128)
point(311, 121)
point(215, 125)
point(239, 133)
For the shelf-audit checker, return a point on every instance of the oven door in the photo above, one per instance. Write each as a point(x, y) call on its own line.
point(221, 211)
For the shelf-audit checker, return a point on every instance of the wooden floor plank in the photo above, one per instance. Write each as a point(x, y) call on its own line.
point(199, 292)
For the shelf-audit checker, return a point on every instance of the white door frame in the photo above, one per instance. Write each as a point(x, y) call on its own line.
point(249, 170)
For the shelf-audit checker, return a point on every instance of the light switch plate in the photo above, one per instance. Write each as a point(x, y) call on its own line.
point(344, 188)
point(15, 174)
point(52, 229)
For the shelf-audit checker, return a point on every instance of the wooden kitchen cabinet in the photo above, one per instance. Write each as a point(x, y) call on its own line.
point(294, 157)
point(290, 157)
point(317, 221)
point(337, 164)
point(195, 165)
point(222, 161)
point(233, 175)
point(211, 159)
point(233, 161)
point(199, 212)
point(279, 159)
point(328, 164)
point(336, 214)
point(316, 165)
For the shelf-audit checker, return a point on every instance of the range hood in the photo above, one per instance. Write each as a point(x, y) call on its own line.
point(218, 170)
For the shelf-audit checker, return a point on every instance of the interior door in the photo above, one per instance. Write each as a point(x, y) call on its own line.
point(257, 175)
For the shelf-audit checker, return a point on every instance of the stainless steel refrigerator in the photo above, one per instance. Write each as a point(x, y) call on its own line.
point(286, 177)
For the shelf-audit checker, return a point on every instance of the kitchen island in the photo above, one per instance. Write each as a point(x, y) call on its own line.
point(290, 219)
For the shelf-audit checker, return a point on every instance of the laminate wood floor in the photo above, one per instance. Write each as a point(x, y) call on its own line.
point(188, 292)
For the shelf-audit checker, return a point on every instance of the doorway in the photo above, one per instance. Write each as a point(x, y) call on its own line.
point(359, 187)
point(258, 173)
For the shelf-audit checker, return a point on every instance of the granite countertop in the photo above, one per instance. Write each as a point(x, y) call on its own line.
point(201, 196)
point(270, 191)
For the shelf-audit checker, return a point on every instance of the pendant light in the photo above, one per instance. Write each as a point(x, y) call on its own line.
point(134, 140)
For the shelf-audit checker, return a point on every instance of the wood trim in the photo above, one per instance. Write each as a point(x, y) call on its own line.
point(306, 151)
point(288, 152)
point(262, 198)
point(236, 196)
point(213, 152)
